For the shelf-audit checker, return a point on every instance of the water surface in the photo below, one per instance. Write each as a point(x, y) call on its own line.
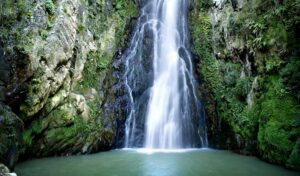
point(146, 163)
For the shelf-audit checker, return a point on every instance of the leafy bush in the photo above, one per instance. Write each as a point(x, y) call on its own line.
point(277, 132)
point(50, 8)
point(266, 31)
point(291, 75)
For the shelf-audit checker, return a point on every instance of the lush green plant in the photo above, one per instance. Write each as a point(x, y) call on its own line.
point(277, 122)
point(264, 31)
point(50, 7)
point(291, 75)
point(10, 127)
point(204, 4)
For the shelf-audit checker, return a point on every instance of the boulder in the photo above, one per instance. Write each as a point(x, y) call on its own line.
point(4, 171)
point(11, 127)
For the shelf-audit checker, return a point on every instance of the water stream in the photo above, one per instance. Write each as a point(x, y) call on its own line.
point(159, 77)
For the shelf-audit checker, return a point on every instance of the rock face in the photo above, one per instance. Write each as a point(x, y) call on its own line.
point(58, 81)
point(249, 65)
point(10, 136)
point(4, 171)
point(55, 60)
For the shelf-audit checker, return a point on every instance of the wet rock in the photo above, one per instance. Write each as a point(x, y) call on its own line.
point(53, 64)
point(4, 171)
point(10, 131)
point(108, 5)
point(80, 105)
point(241, 106)
point(43, 77)
point(4, 69)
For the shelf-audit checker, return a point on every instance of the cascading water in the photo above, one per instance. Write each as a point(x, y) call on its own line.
point(164, 111)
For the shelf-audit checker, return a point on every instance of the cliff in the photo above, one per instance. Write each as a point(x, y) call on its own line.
point(56, 75)
point(61, 91)
point(248, 59)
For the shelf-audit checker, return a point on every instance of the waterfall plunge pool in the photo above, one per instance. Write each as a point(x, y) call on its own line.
point(143, 162)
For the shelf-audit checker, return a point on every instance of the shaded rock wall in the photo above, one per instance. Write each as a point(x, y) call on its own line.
point(56, 72)
point(249, 64)
point(11, 127)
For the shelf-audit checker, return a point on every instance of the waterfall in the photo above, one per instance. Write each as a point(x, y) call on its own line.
point(163, 108)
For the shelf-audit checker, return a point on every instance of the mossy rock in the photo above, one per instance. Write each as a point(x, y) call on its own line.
point(11, 127)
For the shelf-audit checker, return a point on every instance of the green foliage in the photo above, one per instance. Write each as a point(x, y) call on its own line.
point(291, 75)
point(204, 4)
point(266, 31)
point(81, 27)
point(94, 70)
point(109, 35)
point(11, 11)
point(12, 15)
point(35, 86)
point(273, 62)
point(276, 36)
point(243, 87)
point(44, 34)
point(120, 8)
point(27, 138)
point(277, 132)
point(274, 142)
point(223, 79)
point(202, 41)
point(50, 7)
point(62, 131)
point(294, 158)
point(230, 72)
point(126, 10)
point(10, 127)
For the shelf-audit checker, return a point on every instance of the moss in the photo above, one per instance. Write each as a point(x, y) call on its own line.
point(27, 139)
point(294, 158)
point(277, 132)
point(61, 132)
point(204, 4)
point(222, 78)
point(81, 27)
point(13, 14)
point(290, 75)
point(201, 29)
point(9, 12)
point(274, 142)
point(44, 34)
point(32, 101)
point(109, 37)
point(126, 8)
point(58, 127)
point(50, 8)
point(266, 38)
point(10, 128)
point(243, 87)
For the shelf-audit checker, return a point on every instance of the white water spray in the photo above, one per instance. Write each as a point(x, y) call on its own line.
point(173, 117)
